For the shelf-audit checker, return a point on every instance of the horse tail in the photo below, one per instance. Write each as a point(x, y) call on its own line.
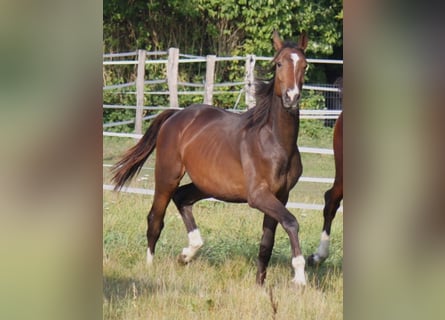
point(133, 160)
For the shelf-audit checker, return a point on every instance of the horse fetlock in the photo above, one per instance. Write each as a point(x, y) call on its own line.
point(187, 255)
point(323, 248)
point(298, 263)
point(291, 224)
point(149, 258)
point(195, 242)
point(314, 260)
point(260, 277)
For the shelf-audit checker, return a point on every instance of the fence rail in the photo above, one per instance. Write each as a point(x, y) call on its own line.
point(172, 58)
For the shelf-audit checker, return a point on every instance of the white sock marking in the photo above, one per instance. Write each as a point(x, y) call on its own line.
point(149, 257)
point(195, 242)
point(298, 264)
point(323, 249)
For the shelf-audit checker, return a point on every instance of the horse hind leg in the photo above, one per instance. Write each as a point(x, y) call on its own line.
point(155, 221)
point(155, 224)
point(333, 198)
point(184, 198)
point(168, 176)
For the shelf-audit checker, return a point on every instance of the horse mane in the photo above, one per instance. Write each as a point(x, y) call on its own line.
point(257, 116)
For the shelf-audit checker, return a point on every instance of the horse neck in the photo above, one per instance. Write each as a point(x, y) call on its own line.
point(284, 124)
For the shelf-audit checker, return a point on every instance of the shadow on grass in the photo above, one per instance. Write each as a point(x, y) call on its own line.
point(119, 288)
point(120, 291)
point(218, 252)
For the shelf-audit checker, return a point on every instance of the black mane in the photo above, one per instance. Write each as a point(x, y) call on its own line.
point(257, 116)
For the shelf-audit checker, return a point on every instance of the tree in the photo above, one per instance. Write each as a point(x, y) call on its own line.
point(224, 28)
point(220, 27)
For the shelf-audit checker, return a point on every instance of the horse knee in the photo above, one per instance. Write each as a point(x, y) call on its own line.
point(290, 223)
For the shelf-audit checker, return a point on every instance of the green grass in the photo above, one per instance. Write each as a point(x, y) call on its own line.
point(220, 282)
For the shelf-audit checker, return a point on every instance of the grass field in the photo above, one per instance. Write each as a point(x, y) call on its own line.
point(220, 282)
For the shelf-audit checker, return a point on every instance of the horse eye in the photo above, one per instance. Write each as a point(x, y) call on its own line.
point(279, 64)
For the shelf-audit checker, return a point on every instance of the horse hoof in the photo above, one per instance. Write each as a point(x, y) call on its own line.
point(182, 259)
point(314, 260)
point(299, 283)
point(311, 261)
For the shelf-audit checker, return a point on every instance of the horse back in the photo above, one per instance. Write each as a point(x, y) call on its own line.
point(206, 141)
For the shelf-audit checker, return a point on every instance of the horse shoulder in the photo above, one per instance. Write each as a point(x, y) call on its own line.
point(264, 161)
point(295, 169)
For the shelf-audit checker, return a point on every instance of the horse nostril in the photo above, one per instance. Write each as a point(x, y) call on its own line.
point(292, 95)
point(287, 97)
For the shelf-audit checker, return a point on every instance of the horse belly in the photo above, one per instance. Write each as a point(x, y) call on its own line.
point(209, 149)
point(221, 179)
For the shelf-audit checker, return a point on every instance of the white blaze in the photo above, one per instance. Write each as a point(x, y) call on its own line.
point(291, 93)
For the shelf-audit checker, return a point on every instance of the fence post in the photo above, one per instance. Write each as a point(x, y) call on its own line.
point(250, 81)
point(210, 78)
point(140, 78)
point(172, 76)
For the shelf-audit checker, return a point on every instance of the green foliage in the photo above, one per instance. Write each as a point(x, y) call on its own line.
point(220, 27)
point(224, 28)
point(312, 100)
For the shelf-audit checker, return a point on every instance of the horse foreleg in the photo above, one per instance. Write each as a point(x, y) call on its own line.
point(263, 200)
point(266, 246)
point(184, 198)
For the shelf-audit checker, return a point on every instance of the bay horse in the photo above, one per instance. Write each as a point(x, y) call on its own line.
point(250, 157)
point(332, 197)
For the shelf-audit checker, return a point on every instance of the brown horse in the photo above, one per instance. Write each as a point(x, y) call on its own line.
point(332, 197)
point(251, 157)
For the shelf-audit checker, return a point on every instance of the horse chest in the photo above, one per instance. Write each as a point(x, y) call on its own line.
point(295, 171)
point(280, 169)
point(286, 174)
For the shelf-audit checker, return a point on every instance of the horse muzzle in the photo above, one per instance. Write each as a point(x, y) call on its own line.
point(291, 98)
point(291, 103)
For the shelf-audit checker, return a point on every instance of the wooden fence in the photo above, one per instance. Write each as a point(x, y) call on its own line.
point(174, 58)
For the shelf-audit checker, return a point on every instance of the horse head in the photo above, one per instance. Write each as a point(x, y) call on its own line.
point(290, 66)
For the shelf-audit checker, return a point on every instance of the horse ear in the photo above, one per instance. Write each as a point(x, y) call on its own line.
point(302, 41)
point(277, 42)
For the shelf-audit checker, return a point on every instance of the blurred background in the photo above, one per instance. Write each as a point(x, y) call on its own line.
point(51, 144)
